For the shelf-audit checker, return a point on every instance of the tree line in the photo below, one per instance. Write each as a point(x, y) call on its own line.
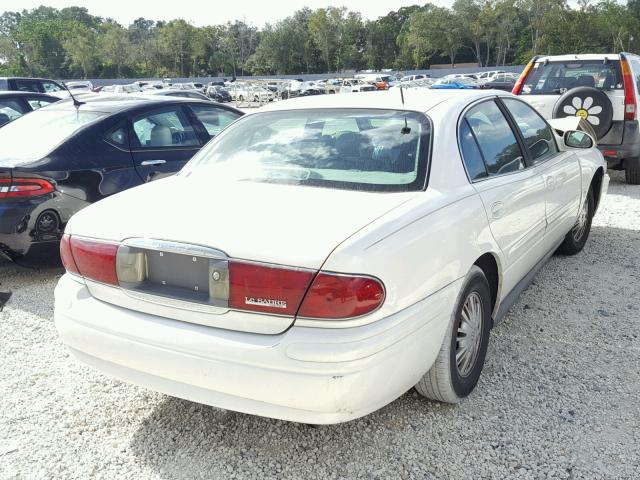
point(72, 43)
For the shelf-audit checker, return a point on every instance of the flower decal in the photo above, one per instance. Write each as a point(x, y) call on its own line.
point(584, 109)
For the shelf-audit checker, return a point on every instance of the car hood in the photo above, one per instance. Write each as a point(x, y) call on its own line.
point(282, 224)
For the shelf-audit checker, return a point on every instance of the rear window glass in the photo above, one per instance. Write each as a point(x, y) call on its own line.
point(33, 136)
point(555, 78)
point(356, 149)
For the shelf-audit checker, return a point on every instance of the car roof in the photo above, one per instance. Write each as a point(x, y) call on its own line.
point(585, 56)
point(417, 99)
point(117, 103)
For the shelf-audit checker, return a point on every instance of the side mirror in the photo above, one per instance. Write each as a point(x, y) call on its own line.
point(578, 139)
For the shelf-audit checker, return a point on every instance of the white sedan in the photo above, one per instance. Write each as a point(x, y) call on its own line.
point(322, 256)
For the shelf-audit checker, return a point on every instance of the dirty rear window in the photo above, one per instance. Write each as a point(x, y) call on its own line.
point(555, 78)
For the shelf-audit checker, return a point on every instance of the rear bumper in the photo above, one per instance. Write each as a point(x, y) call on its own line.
point(309, 375)
point(626, 154)
point(18, 220)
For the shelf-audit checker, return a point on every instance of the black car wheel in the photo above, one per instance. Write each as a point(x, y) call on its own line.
point(588, 103)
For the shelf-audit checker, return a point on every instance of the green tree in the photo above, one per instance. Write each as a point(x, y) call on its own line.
point(81, 49)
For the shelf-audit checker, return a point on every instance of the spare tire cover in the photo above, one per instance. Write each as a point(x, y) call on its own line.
point(588, 103)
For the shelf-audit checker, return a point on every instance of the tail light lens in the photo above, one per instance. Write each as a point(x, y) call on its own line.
point(66, 256)
point(271, 289)
point(252, 287)
point(263, 288)
point(517, 88)
point(338, 297)
point(629, 90)
point(24, 187)
point(91, 259)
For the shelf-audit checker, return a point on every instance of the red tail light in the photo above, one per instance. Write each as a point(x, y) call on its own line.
point(66, 256)
point(271, 289)
point(341, 296)
point(268, 289)
point(252, 287)
point(629, 90)
point(517, 88)
point(91, 259)
point(24, 187)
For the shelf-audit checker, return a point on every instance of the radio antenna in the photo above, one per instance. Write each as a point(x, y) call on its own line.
point(76, 102)
point(405, 130)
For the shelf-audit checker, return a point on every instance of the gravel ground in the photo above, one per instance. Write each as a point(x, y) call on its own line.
point(558, 398)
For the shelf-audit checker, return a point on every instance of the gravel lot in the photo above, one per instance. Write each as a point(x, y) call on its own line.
point(559, 396)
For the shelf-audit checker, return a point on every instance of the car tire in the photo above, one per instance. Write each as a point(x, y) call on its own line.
point(632, 175)
point(450, 380)
point(241, 98)
point(589, 103)
point(576, 238)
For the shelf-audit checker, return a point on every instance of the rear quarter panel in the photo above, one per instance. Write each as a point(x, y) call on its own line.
point(427, 245)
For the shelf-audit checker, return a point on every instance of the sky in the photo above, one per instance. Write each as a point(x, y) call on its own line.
point(212, 12)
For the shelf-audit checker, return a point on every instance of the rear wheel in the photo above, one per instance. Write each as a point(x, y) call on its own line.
point(457, 368)
point(575, 240)
point(632, 175)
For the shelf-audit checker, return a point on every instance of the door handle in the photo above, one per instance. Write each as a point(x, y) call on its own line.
point(497, 210)
point(152, 163)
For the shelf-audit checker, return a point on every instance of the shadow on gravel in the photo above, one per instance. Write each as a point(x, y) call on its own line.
point(182, 439)
point(44, 265)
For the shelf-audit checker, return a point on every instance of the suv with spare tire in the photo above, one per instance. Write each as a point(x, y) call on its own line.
point(601, 89)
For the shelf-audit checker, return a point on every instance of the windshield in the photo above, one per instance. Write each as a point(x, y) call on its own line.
point(555, 78)
point(34, 136)
point(355, 149)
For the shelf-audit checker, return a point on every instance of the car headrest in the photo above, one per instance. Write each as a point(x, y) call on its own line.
point(586, 81)
point(160, 136)
point(4, 118)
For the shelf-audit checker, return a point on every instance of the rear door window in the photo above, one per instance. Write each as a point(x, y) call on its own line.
point(471, 155)
point(166, 128)
point(214, 119)
point(497, 142)
point(555, 78)
point(537, 133)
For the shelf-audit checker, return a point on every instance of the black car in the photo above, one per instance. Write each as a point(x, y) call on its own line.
point(38, 85)
point(218, 93)
point(58, 160)
point(15, 104)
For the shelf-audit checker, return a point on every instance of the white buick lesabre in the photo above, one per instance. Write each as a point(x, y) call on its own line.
point(323, 255)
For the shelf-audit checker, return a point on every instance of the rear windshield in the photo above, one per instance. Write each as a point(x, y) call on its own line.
point(555, 78)
point(355, 149)
point(35, 135)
